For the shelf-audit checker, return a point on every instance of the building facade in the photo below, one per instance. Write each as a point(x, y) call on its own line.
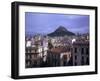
point(59, 56)
point(80, 53)
point(36, 52)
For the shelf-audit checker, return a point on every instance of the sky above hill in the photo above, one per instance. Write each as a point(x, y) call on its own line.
point(45, 23)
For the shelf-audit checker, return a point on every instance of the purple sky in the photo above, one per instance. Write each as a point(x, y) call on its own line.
point(46, 22)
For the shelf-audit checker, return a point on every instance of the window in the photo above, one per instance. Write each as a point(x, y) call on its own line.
point(28, 50)
point(35, 55)
point(82, 50)
point(32, 51)
point(28, 63)
point(75, 57)
point(82, 60)
point(64, 63)
point(75, 50)
point(35, 64)
point(28, 56)
point(87, 50)
point(87, 61)
point(75, 63)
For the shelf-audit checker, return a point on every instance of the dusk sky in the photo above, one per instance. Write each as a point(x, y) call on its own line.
point(44, 23)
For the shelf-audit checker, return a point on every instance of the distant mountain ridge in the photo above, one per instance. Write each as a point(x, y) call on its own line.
point(61, 31)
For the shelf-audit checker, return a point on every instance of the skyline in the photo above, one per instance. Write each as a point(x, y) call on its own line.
point(44, 23)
